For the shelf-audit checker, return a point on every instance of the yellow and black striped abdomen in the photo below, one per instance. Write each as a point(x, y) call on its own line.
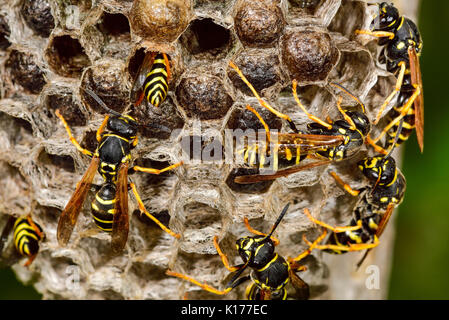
point(407, 127)
point(156, 82)
point(103, 207)
point(26, 237)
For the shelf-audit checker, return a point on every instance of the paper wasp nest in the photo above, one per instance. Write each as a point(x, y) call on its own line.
point(49, 48)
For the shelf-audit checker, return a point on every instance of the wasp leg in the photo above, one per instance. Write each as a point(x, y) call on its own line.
point(377, 34)
point(202, 285)
point(375, 146)
point(72, 139)
point(344, 185)
point(30, 260)
point(334, 229)
point(167, 66)
point(155, 171)
point(403, 112)
point(293, 261)
point(339, 86)
point(267, 129)
point(397, 87)
point(223, 257)
point(348, 247)
point(35, 228)
point(142, 209)
point(101, 128)
point(252, 230)
point(261, 101)
point(343, 112)
point(309, 115)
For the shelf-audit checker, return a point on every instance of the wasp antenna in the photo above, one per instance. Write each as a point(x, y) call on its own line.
point(396, 138)
point(284, 211)
point(349, 93)
point(100, 102)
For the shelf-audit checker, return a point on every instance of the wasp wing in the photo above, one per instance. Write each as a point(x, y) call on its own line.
point(301, 287)
point(120, 224)
point(280, 173)
point(137, 92)
point(71, 211)
point(385, 218)
point(380, 229)
point(306, 143)
point(6, 231)
point(415, 71)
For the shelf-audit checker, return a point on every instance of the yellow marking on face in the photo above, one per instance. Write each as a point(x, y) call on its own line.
point(248, 244)
point(384, 199)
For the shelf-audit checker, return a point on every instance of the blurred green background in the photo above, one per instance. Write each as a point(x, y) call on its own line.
point(421, 253)
point(421, 256)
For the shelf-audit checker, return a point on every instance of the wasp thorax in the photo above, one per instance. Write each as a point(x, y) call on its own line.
point(258, 249)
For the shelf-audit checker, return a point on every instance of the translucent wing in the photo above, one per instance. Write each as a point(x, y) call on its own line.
point(70, 214)
point(306, 143)
point(380, 229)
point(301, 287)
point(415, 71)
point(137, 92)
point(280, 173)
point(120, 225)
point(6, 231)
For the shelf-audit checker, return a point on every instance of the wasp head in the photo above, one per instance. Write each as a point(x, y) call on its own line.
point(124, 126)
point(380, 170)
point(258, 250)
point(387, 17)
point(361, 121)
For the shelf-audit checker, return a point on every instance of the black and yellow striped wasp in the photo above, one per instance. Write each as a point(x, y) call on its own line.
point(373, 209)
point(402, 46)
point(113, 160)
point(152, 80)
point(27, 236)
point(270, 272)
point(326, 141)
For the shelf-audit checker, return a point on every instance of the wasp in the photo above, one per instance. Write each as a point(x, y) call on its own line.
point(27, 236)
point(325, 141)
point(270, 272)
point(151, 83)
point(116, 137)
point(373, 209)
point(402, 46)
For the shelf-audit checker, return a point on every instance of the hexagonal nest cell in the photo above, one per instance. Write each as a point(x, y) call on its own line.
point(271, 41)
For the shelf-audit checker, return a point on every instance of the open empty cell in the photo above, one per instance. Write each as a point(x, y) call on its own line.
point(204, 36)
point(66, 56)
